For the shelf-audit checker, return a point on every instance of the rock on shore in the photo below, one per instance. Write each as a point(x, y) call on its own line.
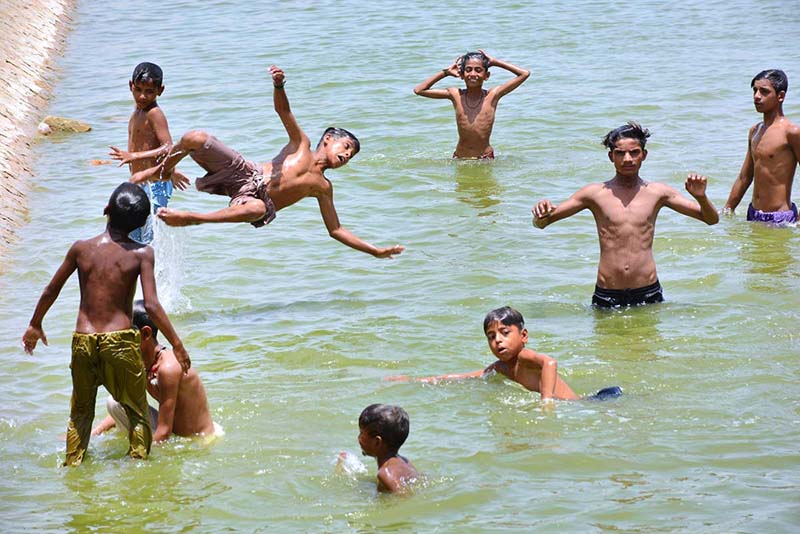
point(32, 34)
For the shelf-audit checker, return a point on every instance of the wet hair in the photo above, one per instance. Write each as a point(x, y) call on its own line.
point(389, 422)
point(462, 61)
point(505, 315)
point(776, 77)
point(141, 318)
point(338, 133)
point(632, 130)
point(128, 207)
point(148, 72)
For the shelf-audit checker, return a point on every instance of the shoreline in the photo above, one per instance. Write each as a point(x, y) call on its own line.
point(33, 35)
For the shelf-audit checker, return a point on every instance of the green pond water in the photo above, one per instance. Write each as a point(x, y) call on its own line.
point(293, 333)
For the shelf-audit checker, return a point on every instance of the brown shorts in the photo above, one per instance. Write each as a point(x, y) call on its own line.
point(229, 174)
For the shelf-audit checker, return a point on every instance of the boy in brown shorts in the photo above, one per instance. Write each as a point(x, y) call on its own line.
point(257, 192)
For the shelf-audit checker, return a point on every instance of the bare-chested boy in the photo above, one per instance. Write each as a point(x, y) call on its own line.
point(183, 404)
point(148, 139)
point(625, 210)
point(105, 349)
point(475, 106)
point(773, 151)
point(259, 191)
point(507, 337)
point(382, 430)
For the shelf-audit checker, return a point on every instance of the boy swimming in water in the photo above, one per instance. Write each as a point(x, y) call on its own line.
point(773, 151)
point(382, 431)
point(475, 106)
point(258, 192)
point(507, 336)
point(105, 349)
point(625, 210)
point(182, 401)
point(148, 139)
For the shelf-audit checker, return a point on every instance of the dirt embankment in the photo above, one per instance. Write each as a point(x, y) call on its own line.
point(32, 35)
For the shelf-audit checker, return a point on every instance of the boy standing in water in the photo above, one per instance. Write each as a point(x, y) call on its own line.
point(382, 431)
point(507, 336)
point(258, 192)
point(625, 210)
point(475, 106)
point(183, 404)
point(773, 150)
point(105, 349)
point(148, 139)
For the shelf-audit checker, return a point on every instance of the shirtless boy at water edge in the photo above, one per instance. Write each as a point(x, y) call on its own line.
point(105, 349)
point(625, 210)
point(258, 192)
point(475, 106)
point(507, 337)
point(182, 401)
point(773, 151)
point(148, 139)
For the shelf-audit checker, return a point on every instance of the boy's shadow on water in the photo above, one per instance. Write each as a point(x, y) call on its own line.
point(476, 185)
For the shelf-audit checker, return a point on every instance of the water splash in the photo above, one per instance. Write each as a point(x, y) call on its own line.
point(169, 267)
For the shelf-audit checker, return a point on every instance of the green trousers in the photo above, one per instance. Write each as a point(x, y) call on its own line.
point(114, 360)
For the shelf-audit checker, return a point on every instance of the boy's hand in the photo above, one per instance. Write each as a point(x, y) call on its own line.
point(388, 252)
point(543, 209)
point(278, 77)
point(182, 357)
point(489, 58)
point(696, 185)
point(453, 70)
point(174, 217)
point(123, 156)
point(31, 336)
point(179, 180)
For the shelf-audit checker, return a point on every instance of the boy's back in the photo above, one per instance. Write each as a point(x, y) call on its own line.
point(108, 270)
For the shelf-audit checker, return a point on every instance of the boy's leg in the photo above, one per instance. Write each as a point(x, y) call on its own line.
point(123, 375)
point(189, 142)
point(84, 394)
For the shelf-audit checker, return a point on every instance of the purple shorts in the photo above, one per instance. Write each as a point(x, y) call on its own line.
point(228, 173)
point(772, 217)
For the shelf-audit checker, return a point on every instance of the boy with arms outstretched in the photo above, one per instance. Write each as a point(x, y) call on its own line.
point(382, 431)
point(105, 349)
point(773, 151)
point(507, 336)
point(148, 140)
point(625, 210)
point(183, 404)
point(259, 191)
point(475, 106)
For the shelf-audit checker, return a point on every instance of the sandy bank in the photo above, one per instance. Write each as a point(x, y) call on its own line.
point(32, 34)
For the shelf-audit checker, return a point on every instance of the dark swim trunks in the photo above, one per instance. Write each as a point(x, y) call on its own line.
point(610, 298)
point(228, 173)
point(488, 155)
point(772, 217)
point(606, 393)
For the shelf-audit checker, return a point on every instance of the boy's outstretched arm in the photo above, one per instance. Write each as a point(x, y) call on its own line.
point(521, 75)
point(342, 234)
point(34, 332)
point(440, 378)
point(281, 103)
point(544, 213)
point(156, 312)
point(702, 210)
point(426, 88)
point(745, 178)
